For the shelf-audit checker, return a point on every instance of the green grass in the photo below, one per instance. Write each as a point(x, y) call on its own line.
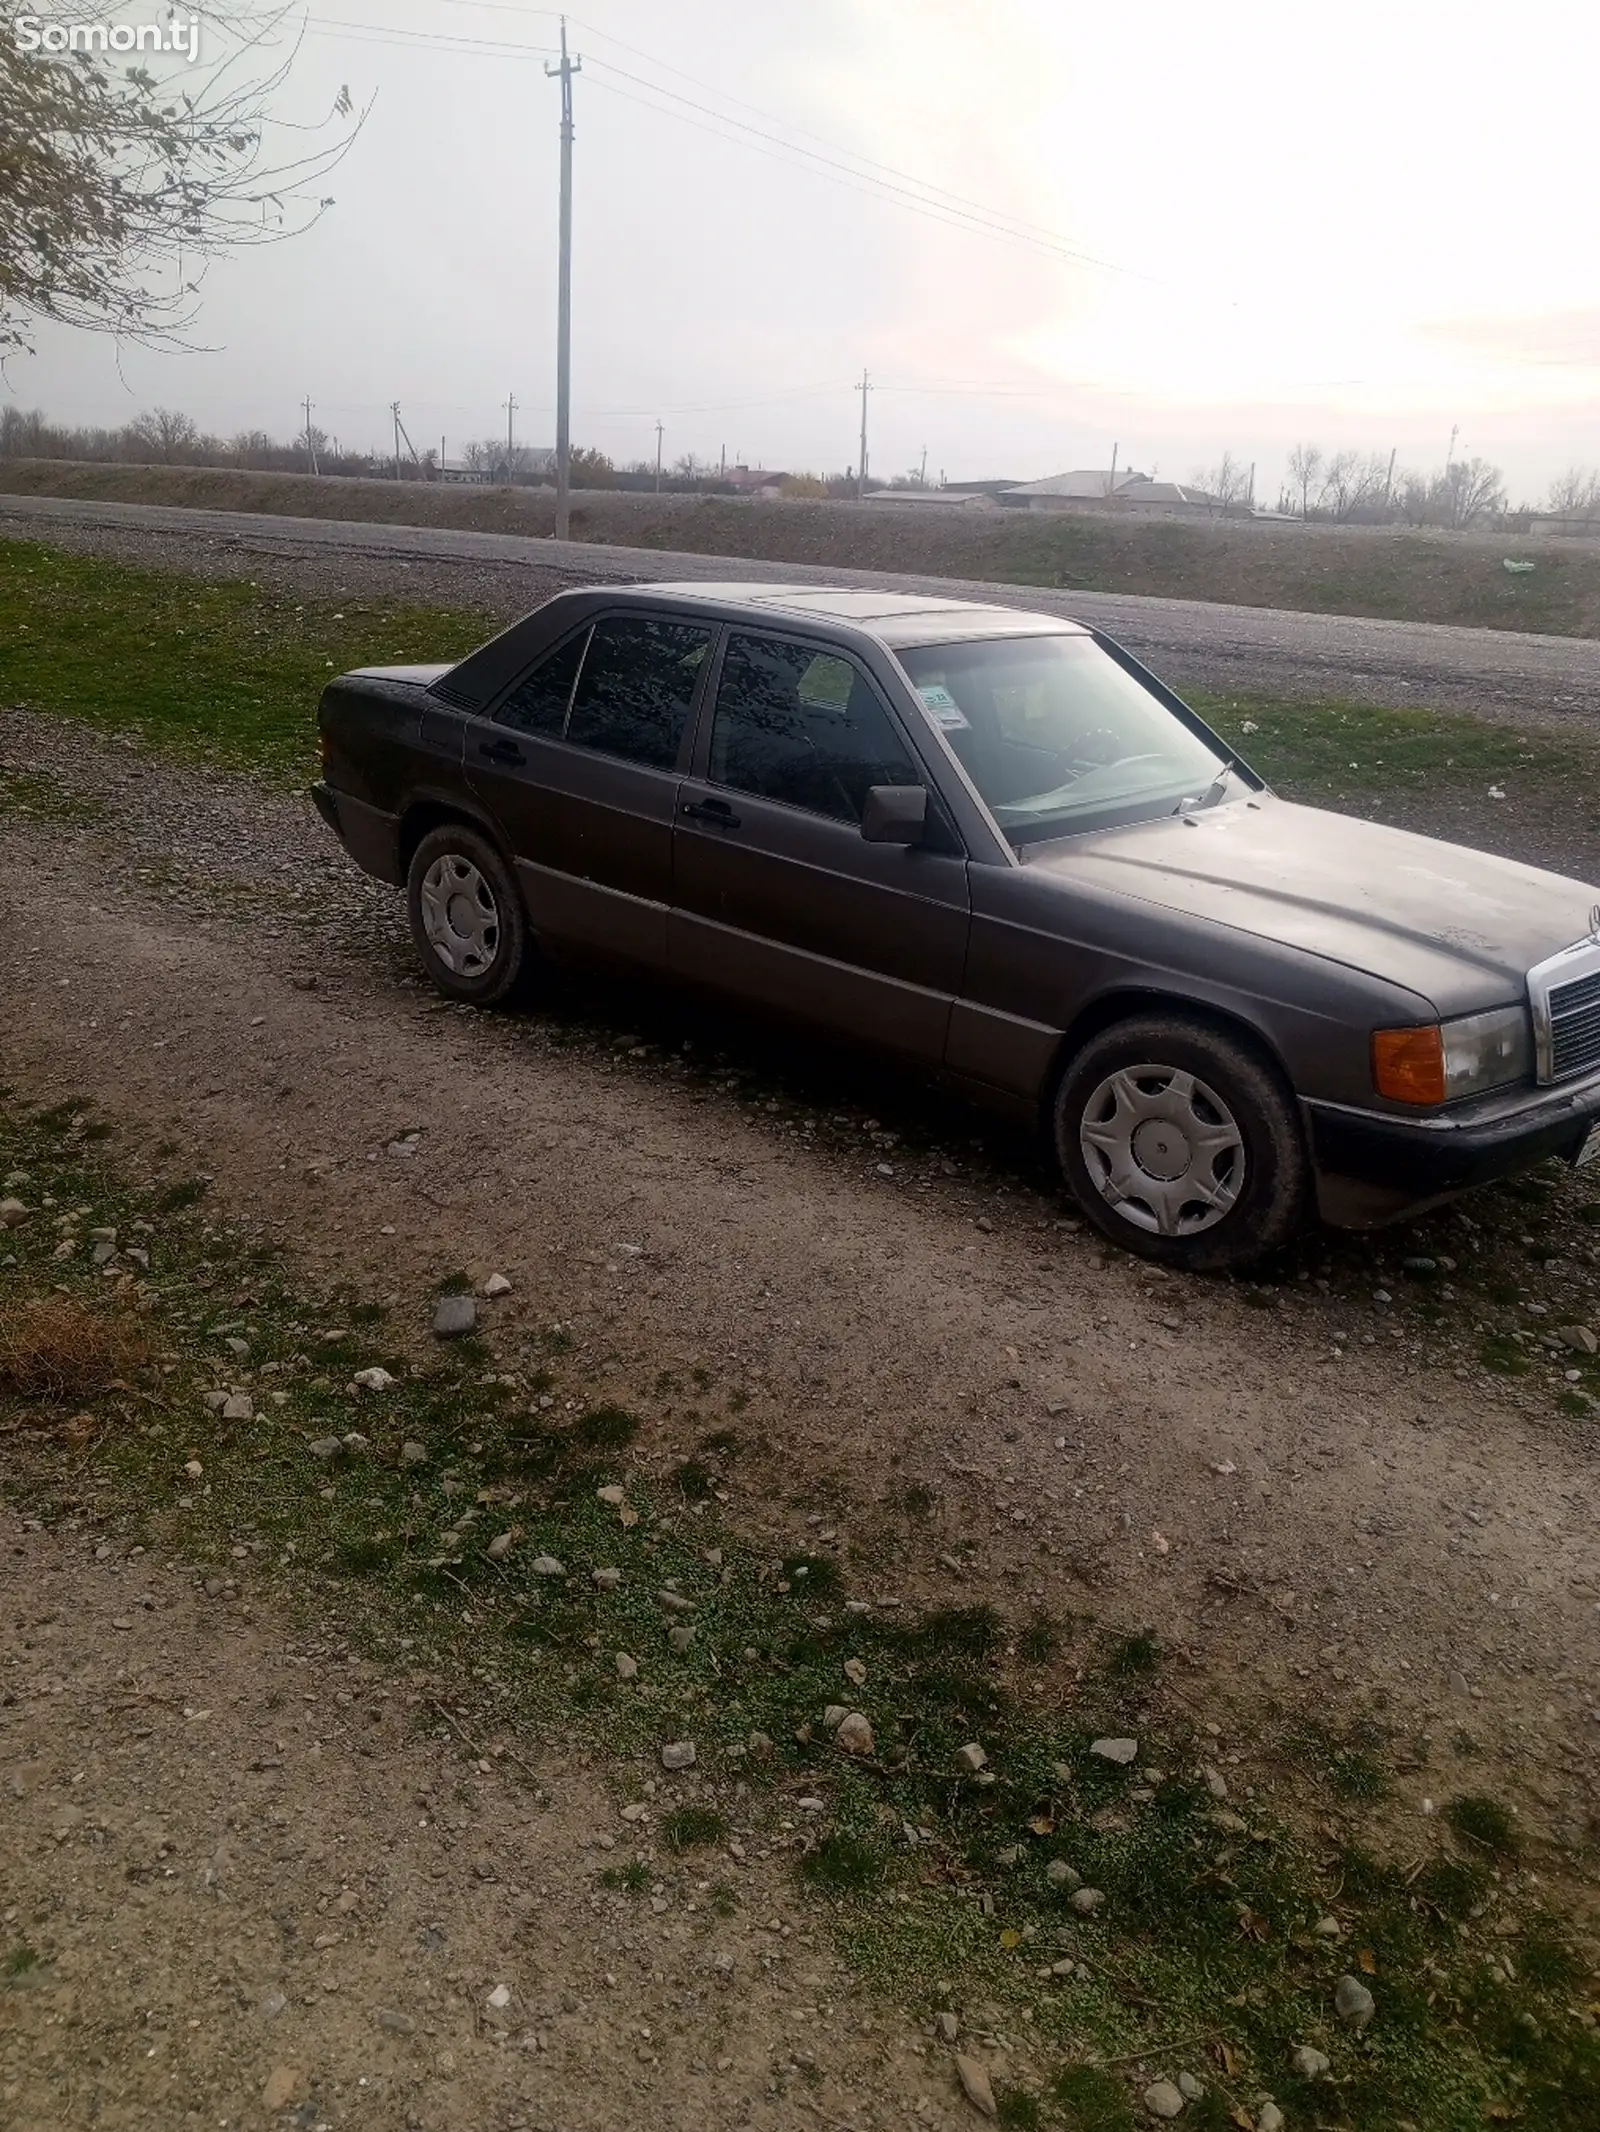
point(920, 1870)
point(1322, 752)
point(228, 673)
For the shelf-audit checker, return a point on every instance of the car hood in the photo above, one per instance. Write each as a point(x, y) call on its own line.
point(1459, 927)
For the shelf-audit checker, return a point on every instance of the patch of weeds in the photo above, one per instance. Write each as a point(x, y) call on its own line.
point(721, 1443)
point(366, 1557)
point(701, 1378)
point(918, 1500)
point(457, 1283)
point(813, 1576)
point(606, 1428)
point(1502, 1353)
point(1092, 2100)
point(970, 1632)
point(1018, 2107)
point(845, 1865)
point(1136, 1657)
point(21, 1960)
point(178, 1196)
point(1039, 1640)
point(1480, 1820)
point(54, 1348)
point(694, 1479)
point(1570, 1402)
point(630, 1879)
point(689, 1828)
point(1452, 1887)
point(1345, 1761)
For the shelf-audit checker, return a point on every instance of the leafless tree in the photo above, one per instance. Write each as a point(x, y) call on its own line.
point(251, 447)
point(1354, 482)
point(117, 187)
point(1575, 494)
point(1468, 491)
point(1224, 485)
point(1306, 473)
point(165, 435)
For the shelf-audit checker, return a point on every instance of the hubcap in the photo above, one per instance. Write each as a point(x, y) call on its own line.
point(1163, 1149)
point(460, 916)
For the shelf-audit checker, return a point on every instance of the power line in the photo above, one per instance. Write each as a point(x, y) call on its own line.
point(914, 194)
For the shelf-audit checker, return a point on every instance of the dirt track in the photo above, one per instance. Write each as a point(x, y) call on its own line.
point(1324, 1504)
point(1542, 682)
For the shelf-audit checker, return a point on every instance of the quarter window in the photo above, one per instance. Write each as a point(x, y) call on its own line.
point(635, 688)
point(803, 726)
point(538, 703)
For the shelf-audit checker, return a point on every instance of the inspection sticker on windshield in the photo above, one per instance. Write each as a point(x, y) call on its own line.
point(1590, 1150)
point(946, 713)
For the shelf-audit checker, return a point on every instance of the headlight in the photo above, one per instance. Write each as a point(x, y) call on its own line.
point(1441, 1060)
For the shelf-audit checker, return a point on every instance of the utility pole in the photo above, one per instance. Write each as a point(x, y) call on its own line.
point(722, 465)
point(566, 69)
point(658, 456)
point(1250, 493)
point(311, 449)
point(861, 470)
point(441, 458)
point(1450, 455)
point(1388, 480)
point(1111, 486)
point(922, 471)
point(394, 409)
point(511, 439)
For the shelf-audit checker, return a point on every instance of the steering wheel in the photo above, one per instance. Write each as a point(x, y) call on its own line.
point(1096, 749)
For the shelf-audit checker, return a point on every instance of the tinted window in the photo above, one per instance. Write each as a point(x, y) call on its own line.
point(635, 689)
point(801, 725)
point(538, 703)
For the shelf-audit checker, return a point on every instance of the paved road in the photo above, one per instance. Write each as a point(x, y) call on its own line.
point(1500, 674)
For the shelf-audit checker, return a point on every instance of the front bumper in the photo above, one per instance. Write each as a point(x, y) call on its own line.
point(1374, 1166)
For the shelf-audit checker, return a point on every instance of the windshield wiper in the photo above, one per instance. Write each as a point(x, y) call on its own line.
point(1193, 803)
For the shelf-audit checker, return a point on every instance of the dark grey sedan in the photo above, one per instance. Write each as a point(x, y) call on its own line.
point(992, 844)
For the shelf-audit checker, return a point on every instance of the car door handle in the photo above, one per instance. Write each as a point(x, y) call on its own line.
point(717, 812)
point(502, 751)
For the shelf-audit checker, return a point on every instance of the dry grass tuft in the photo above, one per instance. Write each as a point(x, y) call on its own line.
point(57, 1351)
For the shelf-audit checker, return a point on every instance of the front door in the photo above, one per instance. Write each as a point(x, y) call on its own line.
point(580, 765)
point(776, 895)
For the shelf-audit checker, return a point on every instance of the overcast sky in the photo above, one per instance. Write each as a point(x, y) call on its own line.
point(1365, 224)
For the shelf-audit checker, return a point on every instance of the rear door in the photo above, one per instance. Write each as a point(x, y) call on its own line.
point(580, 765)
point(777, 897)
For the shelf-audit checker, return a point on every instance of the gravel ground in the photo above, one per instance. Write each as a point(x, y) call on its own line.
point(1540, 683)
point(264, 1884)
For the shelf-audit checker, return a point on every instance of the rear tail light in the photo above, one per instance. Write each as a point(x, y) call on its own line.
point(1408, 1064)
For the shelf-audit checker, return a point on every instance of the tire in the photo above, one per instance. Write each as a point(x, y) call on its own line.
point(466, 915)
point(1182, 1144)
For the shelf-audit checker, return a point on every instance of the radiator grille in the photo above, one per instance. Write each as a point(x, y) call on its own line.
point(1575, 1026)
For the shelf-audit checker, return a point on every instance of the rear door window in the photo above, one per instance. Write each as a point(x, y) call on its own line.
point(635, 687)
point(805, 726)
point(541, 699)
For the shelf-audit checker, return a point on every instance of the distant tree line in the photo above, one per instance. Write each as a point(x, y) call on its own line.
point(165, 436)
point(1366, 488)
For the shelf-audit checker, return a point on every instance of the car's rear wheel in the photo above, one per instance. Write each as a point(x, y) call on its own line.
point(466, 915)
point(1181, 1143)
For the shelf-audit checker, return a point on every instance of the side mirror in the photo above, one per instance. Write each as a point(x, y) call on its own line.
point(895, 814)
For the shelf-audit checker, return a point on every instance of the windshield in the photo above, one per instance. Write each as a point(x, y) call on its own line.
point(1057, 736)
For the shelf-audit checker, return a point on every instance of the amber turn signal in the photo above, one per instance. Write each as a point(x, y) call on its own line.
point(1408, 1064)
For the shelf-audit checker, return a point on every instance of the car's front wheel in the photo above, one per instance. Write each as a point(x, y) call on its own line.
point(1181, 1143)
point(466, 916)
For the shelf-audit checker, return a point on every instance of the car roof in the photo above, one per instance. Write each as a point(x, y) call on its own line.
point(894, 618)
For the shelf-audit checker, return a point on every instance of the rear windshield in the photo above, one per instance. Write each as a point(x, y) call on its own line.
point(1057, 736)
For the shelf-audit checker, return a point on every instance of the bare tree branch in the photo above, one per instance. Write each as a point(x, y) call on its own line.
point(118, 184)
